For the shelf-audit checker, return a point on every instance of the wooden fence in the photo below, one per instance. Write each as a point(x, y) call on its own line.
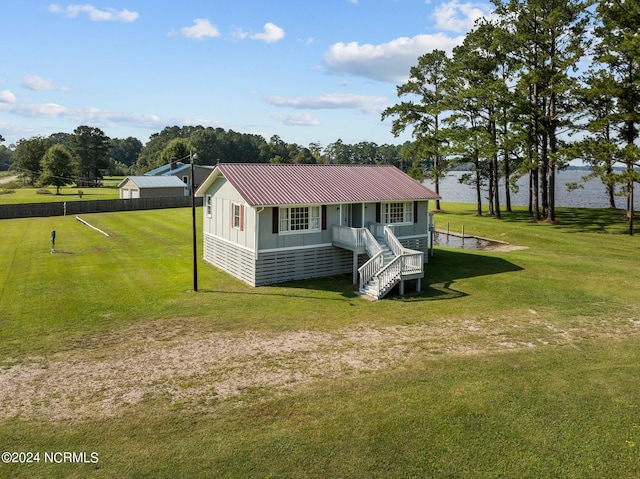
point(27, 210)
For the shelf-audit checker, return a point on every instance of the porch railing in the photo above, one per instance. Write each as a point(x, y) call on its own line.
point(350, 237)
point(377, 229)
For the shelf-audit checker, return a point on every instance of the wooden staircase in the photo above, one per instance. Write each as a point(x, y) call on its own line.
point(389, 264)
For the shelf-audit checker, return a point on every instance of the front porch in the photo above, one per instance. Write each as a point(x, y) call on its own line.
point(389, 262)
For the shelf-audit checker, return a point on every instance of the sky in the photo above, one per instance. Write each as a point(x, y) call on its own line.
point(305, 70)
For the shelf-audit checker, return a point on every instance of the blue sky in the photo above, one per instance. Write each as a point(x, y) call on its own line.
point(306, 70)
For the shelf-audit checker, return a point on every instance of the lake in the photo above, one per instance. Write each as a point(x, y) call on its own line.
point(592, 195)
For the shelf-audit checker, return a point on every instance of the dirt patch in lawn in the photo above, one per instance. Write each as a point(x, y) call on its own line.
point(106, 373)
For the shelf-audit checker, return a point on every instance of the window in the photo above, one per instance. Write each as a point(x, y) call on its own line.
point(397, 213)
point(300, 219)
point(185, 179)
point(209, 206)
point(237, 216)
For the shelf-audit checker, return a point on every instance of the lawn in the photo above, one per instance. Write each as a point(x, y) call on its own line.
point(15, 194)
point(508, 364)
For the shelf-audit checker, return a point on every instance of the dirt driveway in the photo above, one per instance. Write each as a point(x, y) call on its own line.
point(7, 179)
point(108, 372)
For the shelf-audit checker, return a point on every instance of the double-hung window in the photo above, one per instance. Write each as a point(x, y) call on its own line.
point(299, 219)
point(397, 212)
point(237, 216)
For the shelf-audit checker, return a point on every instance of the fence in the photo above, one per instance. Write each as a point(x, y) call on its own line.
point(27, 210)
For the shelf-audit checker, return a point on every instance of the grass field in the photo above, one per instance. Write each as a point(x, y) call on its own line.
point(508, 364)
point(15, 194)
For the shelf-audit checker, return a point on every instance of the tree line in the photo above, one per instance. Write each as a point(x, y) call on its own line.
point(85, 156)
point(541, 83)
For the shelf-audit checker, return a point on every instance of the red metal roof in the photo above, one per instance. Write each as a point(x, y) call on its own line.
point(265, 184)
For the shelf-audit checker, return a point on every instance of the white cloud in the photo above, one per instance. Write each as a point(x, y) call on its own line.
point(298, 119)
point(201, 28)
point(95, 15)
point(389, 62)
point(271, 33)
point(7, 97)
point(363, 103)
point(94, 116)
point(458, 16)
point(35, 110)
point(37, 83)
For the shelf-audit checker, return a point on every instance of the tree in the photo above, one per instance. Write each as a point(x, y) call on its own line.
point(90, 147)
point(618, 51)
point(126, 150)
point(5, 158)
point(476, 90)
point(339, 153)
point(150, 156)
point(425, 84)
point(599, 149)
point(27, 158)
point(57, 168)
point(207, 143)
point(60, 138)
point(549, 40)
point(178, 148)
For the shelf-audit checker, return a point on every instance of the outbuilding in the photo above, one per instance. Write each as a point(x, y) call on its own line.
point(151, 187)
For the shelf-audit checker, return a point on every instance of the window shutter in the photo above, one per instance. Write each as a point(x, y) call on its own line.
point(378, 212)
point(324, 217)
point(241, 217)
point(232, 205)
point(275, 220)
point(415, 211)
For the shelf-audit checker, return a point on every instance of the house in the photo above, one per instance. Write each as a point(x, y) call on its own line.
point(182, 171)
point(151, 187)
point(270, 223)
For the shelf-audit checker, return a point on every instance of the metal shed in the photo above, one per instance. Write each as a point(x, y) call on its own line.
point(151, 187)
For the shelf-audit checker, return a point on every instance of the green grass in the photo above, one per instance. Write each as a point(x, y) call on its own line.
point(16, 194)
point(567, 410)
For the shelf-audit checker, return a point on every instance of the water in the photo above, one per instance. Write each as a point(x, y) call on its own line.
point(469, 242)
point(593, 195)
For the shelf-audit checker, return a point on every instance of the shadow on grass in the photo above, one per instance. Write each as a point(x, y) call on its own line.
point(337, 284)
point(579, 220)
point(592, 220)
point(448, 266)
point(443, 270)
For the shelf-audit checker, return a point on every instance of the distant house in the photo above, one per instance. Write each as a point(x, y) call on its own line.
point(183, 171)
point(151, 187)
point(270, 223)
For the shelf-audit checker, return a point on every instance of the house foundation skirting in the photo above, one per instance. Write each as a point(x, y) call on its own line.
point(236, 261)
point(276, 266)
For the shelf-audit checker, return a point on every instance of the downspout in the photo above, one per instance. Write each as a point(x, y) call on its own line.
point(256, 230)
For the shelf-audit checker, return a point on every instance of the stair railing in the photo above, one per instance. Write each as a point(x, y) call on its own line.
point(389, 276)
point(370, 244)
point(393, 242)
point(370, 268)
